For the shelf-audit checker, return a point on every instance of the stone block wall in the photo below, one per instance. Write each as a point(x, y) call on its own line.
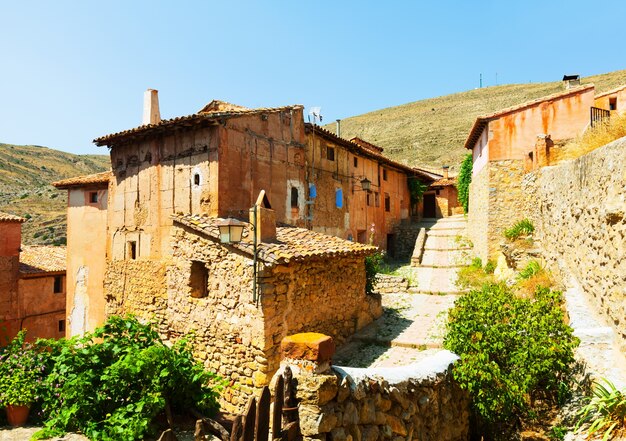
point(581, 221)
point(406, 234)
point(419, 401)
point(387, 284)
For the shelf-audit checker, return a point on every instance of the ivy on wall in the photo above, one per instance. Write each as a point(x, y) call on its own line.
point(464, 180)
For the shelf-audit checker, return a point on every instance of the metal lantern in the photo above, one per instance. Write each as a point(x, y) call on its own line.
point(231, 230)
point(366, 184)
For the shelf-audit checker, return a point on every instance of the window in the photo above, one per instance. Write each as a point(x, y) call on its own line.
point(93, 197)
point(196, 179)
point(339, 198)
point(199, 279)
point(377, 199)
point(437, 192)
point(58, 284)
point(369, 200)
point(613, 103)
point(294, 197)
point(330, 153)
point(356, 161)
point(61, 325)
point(131, 249)
point(384, 174)
point(387, 202)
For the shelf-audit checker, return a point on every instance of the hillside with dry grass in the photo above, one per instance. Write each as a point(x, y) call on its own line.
point(25, 176)
point(432, 132)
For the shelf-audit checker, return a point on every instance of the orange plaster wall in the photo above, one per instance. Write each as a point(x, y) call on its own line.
point(513, 135)
point(356, 216)
point(10, 238)
point(86, 260)
point(620, 96)
point(40, 309)
point(257, 153)
point(10, 242)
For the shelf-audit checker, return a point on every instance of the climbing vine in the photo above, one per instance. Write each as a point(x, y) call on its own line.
point(416, 189)
point(465, 177)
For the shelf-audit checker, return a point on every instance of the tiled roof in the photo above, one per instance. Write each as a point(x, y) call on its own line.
point(609, 92)
point(367, 145)
point(6, 217)
point(483, 120)
point(443, 182)
point(363, 151)
point(79, 181)
point(42, 259)
point(212, 116)
point(292, 244)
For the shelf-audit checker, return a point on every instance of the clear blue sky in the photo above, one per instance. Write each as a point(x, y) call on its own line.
point(73, 71)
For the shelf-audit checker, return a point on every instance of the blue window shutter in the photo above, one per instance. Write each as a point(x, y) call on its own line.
point(312, 191)
point(339, 198)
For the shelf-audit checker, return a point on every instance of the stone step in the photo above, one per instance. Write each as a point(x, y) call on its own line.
point(442, 266)
point(437, 293)
point(412, 344)
point(447, 249)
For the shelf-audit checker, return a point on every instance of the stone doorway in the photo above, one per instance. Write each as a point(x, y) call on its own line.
point(430, 205)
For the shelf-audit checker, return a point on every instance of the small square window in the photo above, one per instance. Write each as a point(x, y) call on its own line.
point(58, 284)
point(356, 161)
point(199, 279)
point(384, 174)
point(330, 153)
point(93, 197)
point(61, 325)
point(613, 103)
point(294, 197)
point(131, 249)
point(387, 203)
point(196, 179)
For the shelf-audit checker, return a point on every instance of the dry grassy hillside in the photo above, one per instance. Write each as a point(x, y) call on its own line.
point(25, 176)
point(432, 132)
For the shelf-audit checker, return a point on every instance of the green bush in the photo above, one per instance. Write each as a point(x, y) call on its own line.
point(490, 267)
point(522, 228)
point(373, 266)
point(417, 189)
point(531, 269)
point(113, 383)
point(512, 351)
point(464, 180)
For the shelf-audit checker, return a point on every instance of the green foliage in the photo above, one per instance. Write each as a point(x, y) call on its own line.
point(490, 267)
point(475, 276)
point(21, 372)
point(464, 180)
point(373, 265)
point(531, 269)
point(605, 413)
point(512, 350)
point(416, 189)
point(557, 433)
point(522, 228)
point(113, 383)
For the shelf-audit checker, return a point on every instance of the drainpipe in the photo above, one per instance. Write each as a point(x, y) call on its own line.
point(339, 128)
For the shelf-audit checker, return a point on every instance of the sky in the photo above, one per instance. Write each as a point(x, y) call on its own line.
point(71, 71)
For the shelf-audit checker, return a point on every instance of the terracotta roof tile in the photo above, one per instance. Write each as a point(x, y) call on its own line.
point(609, 92)
point(79, 181)
point(443, 182)
point(483, 120)
point(6, 217)
point(42, 259)
point(292, 243)
point(213, 115)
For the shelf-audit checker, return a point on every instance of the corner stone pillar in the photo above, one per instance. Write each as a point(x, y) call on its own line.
point(308, 353)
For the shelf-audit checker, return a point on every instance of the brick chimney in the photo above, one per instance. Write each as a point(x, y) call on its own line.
point(445, 171)
point(265, 219)
point(151, 113)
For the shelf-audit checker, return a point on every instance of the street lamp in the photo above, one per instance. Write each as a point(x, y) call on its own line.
point(366, 184)
point(231, 230)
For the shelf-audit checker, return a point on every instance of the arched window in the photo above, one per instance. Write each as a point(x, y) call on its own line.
point(294, 197)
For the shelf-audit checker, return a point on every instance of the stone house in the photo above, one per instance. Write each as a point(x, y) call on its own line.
point(508, 143)
point(307, 281)
point(87, 234)
point(441, 199)
point(32, 285)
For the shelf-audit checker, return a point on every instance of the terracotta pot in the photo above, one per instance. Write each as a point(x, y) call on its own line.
point(17, 415)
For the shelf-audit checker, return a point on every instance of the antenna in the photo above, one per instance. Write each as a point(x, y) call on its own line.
point(481, 81)
point(316, 113)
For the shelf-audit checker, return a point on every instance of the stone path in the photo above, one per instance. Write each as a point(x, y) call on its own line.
point(413, 323)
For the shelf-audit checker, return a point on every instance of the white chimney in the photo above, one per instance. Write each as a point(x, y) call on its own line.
point(445, 171)
point(151, 113)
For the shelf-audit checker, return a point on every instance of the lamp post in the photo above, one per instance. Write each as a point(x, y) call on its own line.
point(231, 231)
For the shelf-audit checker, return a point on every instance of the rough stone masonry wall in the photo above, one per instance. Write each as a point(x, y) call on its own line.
point(415, 402)
point(581, 222)
point(318, 295)
point(137, 287)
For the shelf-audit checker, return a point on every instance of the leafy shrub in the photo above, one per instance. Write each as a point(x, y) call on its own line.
point(21, 372)
point(416, 189)
point(490, 267)
point(113, 383)
point(522, 228)
point(464, 180)
point(373, 266)
point(475, 276)
point(605, 411)
point(512, 351)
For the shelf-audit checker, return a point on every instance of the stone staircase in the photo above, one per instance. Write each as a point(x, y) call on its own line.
point(413, 324)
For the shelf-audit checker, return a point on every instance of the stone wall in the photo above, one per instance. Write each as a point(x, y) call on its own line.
point(420, 401)
point(580, 219)
point(478, 219)
point(418, 249)
point(388, 284)
point(406, 234)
